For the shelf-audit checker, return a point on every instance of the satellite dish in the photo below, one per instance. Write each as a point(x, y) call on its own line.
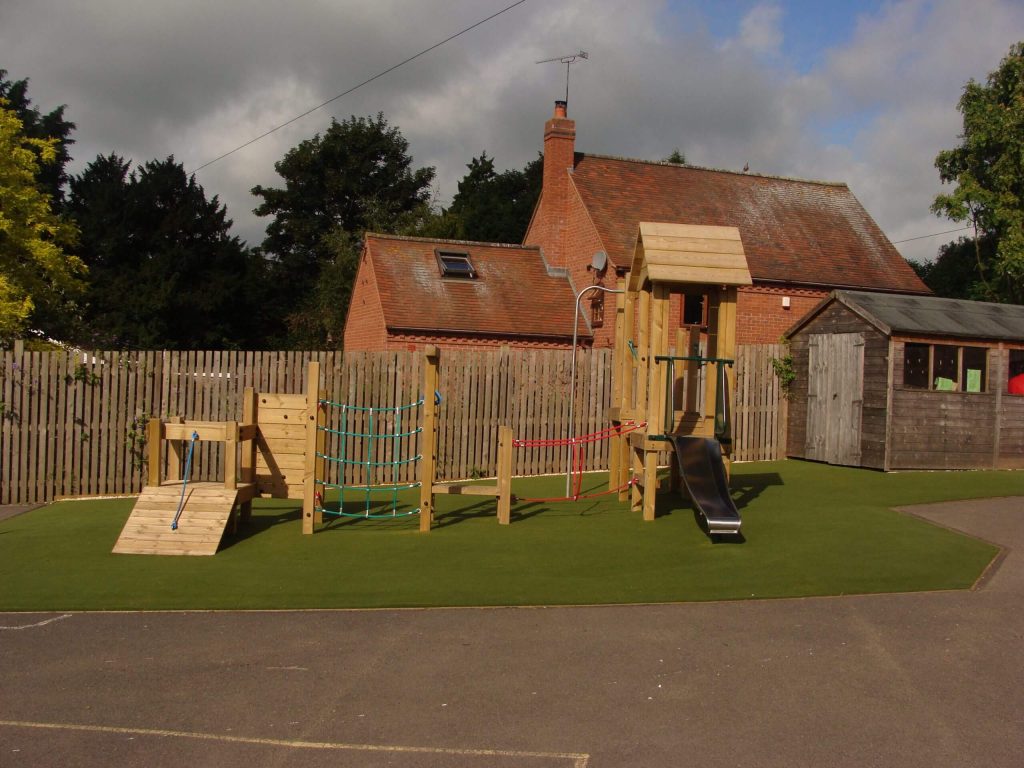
point(599, 261)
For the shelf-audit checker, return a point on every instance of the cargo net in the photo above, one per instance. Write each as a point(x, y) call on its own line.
point(577, 459)
point(370, 443)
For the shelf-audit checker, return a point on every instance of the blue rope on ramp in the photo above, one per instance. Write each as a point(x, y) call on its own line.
point(184, 480)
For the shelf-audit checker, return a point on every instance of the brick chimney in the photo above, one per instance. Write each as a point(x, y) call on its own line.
point(559, 149)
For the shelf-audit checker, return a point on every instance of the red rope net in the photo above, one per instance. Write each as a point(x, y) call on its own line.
point(578, 458)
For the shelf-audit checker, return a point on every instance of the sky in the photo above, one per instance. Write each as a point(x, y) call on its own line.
point(858, 92)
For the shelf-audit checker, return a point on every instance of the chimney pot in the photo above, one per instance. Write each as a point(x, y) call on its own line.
point(560, 109)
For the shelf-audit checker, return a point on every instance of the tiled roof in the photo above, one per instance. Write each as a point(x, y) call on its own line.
point(793, 231)
point(512, 295)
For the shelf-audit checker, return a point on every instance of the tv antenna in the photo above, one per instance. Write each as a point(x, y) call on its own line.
point(568, 61)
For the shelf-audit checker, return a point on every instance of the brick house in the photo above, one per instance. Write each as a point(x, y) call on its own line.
point(411, 291)
point(802, 239)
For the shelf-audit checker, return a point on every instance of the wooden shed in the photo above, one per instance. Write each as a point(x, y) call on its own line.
point(891, 381)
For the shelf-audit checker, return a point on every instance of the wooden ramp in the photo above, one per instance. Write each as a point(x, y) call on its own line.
point(204, 518)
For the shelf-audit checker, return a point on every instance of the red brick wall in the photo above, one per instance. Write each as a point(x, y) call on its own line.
point(364, 324)
point(411, 342)
point(582, 243)
point(760, 316)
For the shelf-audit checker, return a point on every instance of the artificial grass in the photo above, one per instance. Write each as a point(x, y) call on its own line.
point(810, 529)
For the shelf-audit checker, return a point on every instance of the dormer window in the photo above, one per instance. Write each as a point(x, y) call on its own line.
point(455, 264)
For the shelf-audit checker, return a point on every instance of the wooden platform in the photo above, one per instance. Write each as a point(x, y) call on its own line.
point(205, 516)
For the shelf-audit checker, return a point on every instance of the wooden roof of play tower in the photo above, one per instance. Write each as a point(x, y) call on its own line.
point(688, 253)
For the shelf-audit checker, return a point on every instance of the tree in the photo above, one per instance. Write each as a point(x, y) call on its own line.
point(39, 280)
point(988, 171)
point(357, 175)
point(676, 158)
point(164, 269)
point(954, 273)
point(50, 126)
point(496, 207)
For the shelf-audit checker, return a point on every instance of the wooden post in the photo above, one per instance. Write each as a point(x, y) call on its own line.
point(636, 457)
point(997, 383)
point(890, 387)
point(504, 474)
point(650, 483)
point(248, 464)
point(231, 455)
point(657, 345)
point(309, 472)
point(644, 353)
point(248, 460)
point(174, 453)
point(321, 446)
point(428, 438)
point(154, 438)
point(727, 350)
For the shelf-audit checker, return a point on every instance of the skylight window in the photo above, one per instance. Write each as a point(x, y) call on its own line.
point(455, 264)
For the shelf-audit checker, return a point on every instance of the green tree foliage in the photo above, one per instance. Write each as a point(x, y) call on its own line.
point(988, 171)
point(495, 207)
point(50, 126)
point(39, 280)
point(357, 175)
point(676, 158)
point(164, 270)
point(954, 273)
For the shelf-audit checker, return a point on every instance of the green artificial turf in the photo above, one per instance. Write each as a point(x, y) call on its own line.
point(810, 529)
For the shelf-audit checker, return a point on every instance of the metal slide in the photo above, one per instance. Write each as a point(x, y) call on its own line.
point(700, 464)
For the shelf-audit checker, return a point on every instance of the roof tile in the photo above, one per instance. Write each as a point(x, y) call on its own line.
point(513, 294)
point(809, 232)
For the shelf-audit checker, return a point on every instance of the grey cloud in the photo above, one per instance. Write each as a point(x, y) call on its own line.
point(195, 79)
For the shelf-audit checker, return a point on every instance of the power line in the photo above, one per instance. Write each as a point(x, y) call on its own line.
point(357, 87)
point(933, 234)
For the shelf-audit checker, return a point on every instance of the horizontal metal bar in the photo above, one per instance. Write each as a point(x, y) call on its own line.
point(693, 359)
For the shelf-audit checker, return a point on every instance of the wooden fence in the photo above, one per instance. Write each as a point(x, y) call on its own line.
point(759, 419)
point(72, 424)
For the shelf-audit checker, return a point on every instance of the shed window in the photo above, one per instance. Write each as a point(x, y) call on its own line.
point(945, 367)
point(455, 264)
point(915, 366)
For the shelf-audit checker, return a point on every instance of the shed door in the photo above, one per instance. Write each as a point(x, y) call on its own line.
point(835, 394)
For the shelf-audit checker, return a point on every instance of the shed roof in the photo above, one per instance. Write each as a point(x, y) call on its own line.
point(512, 294)
point(929, 315)
point(793, 230)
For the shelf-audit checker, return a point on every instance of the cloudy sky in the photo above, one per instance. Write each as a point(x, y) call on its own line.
point(861, 92)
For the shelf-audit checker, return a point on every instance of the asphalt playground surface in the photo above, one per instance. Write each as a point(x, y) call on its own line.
point(929, 679)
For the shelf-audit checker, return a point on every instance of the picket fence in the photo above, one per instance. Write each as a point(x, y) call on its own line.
point(73, 423)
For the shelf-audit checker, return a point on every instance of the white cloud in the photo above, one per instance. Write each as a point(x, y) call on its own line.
point(195, 79)
point(760, 31)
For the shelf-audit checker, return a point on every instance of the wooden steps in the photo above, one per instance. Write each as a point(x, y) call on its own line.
point(204, 517)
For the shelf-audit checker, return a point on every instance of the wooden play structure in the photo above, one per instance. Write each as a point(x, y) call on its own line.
point(271, 452)
point(698, 261)
point(279, 447)
point(420, 427)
